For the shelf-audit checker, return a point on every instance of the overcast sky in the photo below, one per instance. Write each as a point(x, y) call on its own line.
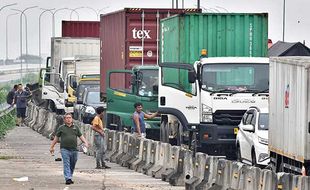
point(297, 22)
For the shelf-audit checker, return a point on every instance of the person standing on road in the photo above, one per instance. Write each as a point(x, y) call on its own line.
point(20, 99)
point(138, 120)
point(97, 126)
point(68, 134)
point(11, 94)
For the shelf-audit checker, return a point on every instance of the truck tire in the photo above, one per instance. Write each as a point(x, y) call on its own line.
point(51, 106)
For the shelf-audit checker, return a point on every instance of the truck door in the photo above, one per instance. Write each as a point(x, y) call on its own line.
point(70, 88)
point(120, 99)
point(53, 89)
point(177, 96)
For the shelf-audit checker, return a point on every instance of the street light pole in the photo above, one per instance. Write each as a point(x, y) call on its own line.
point(22, 12)
point(44, 11)
point(74, 10)
point(8, 5)
point(283, 37)
point(53, 19)
point(198, 4)
point(6, 36)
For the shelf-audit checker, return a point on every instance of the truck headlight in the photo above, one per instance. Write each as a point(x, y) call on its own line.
point(90, 110)
point(262, 157)
point(263, 141)
point(206, 115)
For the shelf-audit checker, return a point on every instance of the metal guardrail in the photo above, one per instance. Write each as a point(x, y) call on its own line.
point(5, 109)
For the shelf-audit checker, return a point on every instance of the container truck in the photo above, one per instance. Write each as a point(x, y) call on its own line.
point(80, 29)
point(231, 76)
point(289, 121)
point(132, 35)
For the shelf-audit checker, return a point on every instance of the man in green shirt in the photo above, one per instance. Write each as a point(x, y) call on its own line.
point(68, 134)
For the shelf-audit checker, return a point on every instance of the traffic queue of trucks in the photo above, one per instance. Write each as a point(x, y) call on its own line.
point(154, 56)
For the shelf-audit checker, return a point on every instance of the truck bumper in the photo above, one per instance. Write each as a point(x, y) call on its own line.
point(218, 139)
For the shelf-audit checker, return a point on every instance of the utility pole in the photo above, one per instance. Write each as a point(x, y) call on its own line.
point(198, 4)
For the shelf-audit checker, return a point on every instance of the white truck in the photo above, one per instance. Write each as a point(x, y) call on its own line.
point(289, 114)
point(63, 47)
point(60, 92)
point(211, 97)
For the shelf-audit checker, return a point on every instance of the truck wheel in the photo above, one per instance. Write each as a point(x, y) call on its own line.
point(164, 132)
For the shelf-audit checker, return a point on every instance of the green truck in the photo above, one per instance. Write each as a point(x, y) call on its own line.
point(137, 85)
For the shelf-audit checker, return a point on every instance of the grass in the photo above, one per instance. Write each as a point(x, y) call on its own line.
point(30, 78)
point(7, 122)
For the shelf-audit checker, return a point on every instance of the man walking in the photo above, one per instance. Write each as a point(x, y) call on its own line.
point(68, 134)
point(138, 120)
point(97, 126)
point(20, 99)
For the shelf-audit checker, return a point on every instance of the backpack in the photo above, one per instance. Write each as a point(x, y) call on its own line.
point(9, 97)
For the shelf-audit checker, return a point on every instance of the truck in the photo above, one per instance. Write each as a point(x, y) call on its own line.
point(289, 123)
point(132, 35)
point(207, 93)
point(71, 70)
point(80, 29)
point(137, 85)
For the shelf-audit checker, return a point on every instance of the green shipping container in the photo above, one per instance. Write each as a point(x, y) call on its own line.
point(223, 35)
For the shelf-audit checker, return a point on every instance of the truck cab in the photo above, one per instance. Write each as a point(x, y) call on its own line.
point(211, 95)
point(124, 88)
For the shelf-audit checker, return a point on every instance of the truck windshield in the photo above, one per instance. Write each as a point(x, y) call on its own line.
point(93, 98)
point(81, 88)
point(149, 83)
point(237, 77)
point(263, 121)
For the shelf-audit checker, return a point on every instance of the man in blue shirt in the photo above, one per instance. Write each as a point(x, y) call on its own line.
point(138, 120)
point(20, 99)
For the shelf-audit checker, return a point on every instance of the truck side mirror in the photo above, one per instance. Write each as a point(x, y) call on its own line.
point(249, 128)
point(74, 84)
point(62, 84)
point(191, 76)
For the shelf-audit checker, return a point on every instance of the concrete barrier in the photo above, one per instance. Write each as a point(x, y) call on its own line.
point(135, 151)
point(41, 119)
point(237, 175)
point(268, 180)
point(29, 113)
point(285, 181)
point(251, 180)
point(300, 182)
point(172, 163)
point(133, 165)
point(111, 145)
point(223, 176)
point(147, 169)
point(177, 178)
point(119, 146)
point(125, 148)
point(198, 173)
point(48, 127)
point(34, 116)
point(130, 152)
point(164, 157)
point(210, 173)
point(146, 155)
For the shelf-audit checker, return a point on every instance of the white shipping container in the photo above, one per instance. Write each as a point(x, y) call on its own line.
point(62, 47)
point(289, 114)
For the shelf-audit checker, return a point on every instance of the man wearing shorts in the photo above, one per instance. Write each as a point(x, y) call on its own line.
point(20, 99)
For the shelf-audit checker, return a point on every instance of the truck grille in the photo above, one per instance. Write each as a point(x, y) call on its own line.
point(228, 117)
